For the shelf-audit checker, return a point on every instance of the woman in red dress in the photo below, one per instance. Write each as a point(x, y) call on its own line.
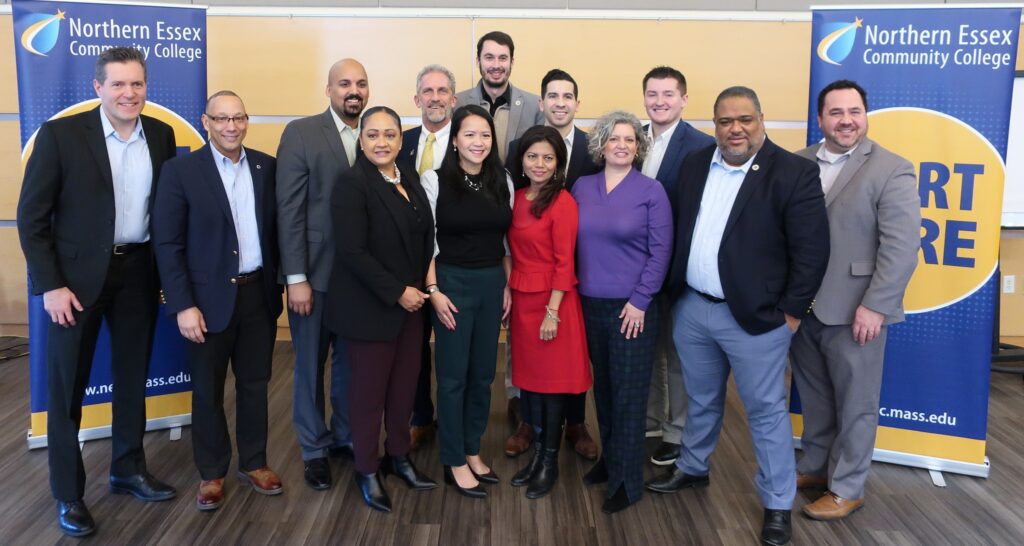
point(549, 347)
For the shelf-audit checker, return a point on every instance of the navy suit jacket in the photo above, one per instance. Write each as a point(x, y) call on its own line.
point(410, 145)
point(195, 240)
point(685, 140)
point(580, 163)
point(775, 247)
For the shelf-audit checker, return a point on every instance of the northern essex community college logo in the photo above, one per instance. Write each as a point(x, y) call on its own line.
point(41, 32)
point(836, 41)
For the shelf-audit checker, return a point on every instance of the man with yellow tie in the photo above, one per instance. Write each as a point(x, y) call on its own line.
point(423, 147)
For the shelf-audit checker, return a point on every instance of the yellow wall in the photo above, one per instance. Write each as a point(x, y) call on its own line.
point(608, 59)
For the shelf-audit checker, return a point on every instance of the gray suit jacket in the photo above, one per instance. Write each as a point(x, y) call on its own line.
point(310, 160)
point(874, 218)
point(524, 111)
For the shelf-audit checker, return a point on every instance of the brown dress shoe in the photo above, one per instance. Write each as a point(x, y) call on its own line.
point(808, 481)
point(520, 441)
point(211, 494)
point(831, 506)
point(263, 480)
point(420, 435)
point(580, 440)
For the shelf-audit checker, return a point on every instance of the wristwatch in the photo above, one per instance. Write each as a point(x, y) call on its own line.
point(432, 289)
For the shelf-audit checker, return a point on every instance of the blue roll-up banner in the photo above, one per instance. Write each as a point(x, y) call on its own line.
point(939, 83)
point(56, 45)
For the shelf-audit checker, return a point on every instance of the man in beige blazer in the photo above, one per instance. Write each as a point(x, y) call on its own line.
point(875, 218)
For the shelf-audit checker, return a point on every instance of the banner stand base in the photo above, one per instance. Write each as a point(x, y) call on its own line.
point(925, 462)
point(173, 422)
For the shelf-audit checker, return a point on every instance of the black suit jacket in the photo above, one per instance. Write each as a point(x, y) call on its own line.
point(373, 261)
point(66, 209)
point(410, 145)
point(775, 247)
point(580, 163)
point(195, 240)
point(685, 140)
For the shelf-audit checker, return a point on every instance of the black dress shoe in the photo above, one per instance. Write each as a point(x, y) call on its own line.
point(522, 477)
point(617, 502)
point(476, 492)
point(403, 468)
point(674, 480)
point(489, 478)
point(75, 519)
point(666, 454)
point(373, 491)
point(597, 473)
point(341, 452)
point(543, 481)
point(143, 486)
point(777, 528)
point(318, 473)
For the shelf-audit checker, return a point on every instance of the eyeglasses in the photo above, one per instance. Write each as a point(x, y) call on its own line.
point(223, 120)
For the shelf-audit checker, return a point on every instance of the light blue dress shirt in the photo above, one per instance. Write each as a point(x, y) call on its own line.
point(720, 191)
point(237, 182)
point(131, 170)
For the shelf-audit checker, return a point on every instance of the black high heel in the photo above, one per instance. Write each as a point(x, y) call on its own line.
point(489, 478)
point(475, 492)
point(373, 491)
point(403, 468)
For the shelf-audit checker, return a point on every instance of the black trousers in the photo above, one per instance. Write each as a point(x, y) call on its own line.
point(248, 344)
point(128, 302)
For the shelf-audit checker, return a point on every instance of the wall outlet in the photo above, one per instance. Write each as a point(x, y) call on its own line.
point(1009, 284)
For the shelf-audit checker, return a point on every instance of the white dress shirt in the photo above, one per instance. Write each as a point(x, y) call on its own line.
point(131, 170)
point(830, 164)
point(720, 191)
point(440, 144)
point(659, 145)
point(349, 137)
point(568, 147)
point(237, 182)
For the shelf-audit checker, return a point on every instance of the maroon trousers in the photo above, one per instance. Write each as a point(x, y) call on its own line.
point(384, 375)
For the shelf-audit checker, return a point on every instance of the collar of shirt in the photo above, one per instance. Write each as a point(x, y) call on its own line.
point(224, 161)
point(569, 140)
point(665, 136)
point(716, 159)
point(108, 129)
point(831, 158)
point(504, 98)
point(342, 126)
point(441, 136)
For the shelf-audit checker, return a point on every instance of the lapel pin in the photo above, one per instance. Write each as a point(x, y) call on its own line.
point(519, 102)
point(755, 167)
point(258, 167)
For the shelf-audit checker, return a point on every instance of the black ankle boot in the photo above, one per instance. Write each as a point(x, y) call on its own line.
point(544, 479)
point(527, 472)
point(597, 474)
point(403, 468)
point(617, 502)
point(373, 491)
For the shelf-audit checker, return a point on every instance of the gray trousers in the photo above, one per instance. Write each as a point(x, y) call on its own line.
point(712, 344)
point(839, 383)
point(666, 403)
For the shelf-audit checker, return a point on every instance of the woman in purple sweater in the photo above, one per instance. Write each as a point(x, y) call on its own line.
point(623, 251)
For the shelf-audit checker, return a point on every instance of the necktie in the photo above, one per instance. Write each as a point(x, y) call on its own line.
point(427, 160)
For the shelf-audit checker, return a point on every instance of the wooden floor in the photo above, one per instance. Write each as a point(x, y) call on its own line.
point(903, 507)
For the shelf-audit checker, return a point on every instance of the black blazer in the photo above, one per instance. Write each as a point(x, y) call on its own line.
point(580, 163)
point(66, 209)
point(410, 145)
point(775, 248)
point(373, 261)
point(195, 240)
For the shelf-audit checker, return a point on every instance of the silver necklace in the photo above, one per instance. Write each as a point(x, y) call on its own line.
point(396, 180)
point(475, 186)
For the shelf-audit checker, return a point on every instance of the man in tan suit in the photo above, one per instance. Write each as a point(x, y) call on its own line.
point(875, 219)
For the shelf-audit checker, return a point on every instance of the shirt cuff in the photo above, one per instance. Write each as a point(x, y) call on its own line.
point(296, 278)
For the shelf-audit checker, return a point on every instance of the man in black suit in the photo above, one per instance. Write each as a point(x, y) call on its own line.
point(215, 237)
point(423, 149)
point(752, 246)
point(559, 100)
point(83, 220)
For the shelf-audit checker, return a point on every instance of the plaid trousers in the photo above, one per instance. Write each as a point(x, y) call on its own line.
point(622, 381)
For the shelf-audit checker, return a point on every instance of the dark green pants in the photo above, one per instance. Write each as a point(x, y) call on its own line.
point(465, 357)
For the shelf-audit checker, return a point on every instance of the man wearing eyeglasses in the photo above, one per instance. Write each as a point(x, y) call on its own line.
point(83, 219)
point(215, 238)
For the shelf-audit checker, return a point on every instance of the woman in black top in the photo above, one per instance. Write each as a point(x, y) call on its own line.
point(385, 239)
point(471, 196)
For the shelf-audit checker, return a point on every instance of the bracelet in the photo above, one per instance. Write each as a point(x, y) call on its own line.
point(551, 314)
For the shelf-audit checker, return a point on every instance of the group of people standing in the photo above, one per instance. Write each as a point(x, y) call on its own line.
point(646, 262)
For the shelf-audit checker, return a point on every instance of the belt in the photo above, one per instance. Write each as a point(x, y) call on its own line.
point(243, 279)
point(128, 248)
point(708, 297)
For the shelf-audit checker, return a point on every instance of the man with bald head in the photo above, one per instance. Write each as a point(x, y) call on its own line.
point(313, 153)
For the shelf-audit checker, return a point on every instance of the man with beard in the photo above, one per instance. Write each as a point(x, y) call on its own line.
point(424, 147)
point(514, 110)
point(313, 153)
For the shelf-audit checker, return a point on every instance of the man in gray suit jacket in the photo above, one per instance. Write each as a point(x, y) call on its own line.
point(875, 214)
point(514, 110)
point(314, 153)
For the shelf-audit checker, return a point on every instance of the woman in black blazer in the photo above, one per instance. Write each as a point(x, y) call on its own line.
point(384, 234)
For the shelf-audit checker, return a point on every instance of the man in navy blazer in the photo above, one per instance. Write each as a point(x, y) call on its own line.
point(672, 139)
point(423, 149)
point(215, 238)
